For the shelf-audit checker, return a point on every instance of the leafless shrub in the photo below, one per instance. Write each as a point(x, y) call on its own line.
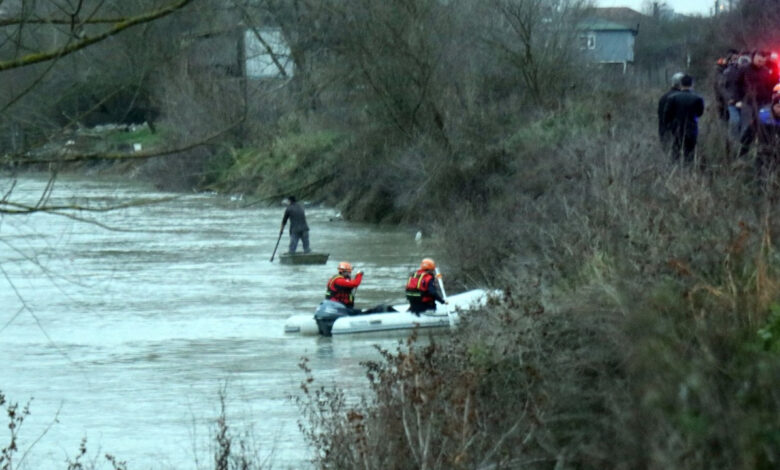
point(13, 457)
point(16, 418)
point(234, 449)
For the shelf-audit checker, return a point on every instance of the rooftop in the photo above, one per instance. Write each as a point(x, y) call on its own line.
point(598, 24)
point(624, 16)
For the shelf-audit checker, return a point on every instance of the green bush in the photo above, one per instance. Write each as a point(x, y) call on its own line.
point(770, 333)
point(299, 163)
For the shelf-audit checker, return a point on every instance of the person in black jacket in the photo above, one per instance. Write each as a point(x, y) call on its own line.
point(721, 95)
point(756, 81)
point(732, 91)
point(664, 133)
point(299, 230)
point(682, 112)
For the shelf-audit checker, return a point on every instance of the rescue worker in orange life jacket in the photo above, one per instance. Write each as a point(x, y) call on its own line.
point(341, 287)
point(421, 291)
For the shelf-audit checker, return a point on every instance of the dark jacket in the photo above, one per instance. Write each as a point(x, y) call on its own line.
point(756, 83)
point(732, 88)
point(663, 125)
point(682, 112)
point(297, 217)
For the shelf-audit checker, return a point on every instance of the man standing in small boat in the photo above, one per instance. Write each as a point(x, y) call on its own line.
point(341, 287)
point(299, 230)
point(421, 291)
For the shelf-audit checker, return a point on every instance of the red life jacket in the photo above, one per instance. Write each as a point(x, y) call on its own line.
point(340, 293)
point(417, 287)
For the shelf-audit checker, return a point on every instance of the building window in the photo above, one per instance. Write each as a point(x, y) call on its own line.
point(587, 41)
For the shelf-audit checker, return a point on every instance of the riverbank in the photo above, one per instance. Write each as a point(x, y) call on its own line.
point(640, 326)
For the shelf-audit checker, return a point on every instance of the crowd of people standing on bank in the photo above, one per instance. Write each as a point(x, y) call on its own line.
point(747, 90)
point(747, 99)
point(745, 87)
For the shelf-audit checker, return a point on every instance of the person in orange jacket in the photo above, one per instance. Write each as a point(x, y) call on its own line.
point(341, 287)
point(421, 291)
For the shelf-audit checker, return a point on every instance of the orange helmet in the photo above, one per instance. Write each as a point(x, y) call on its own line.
point(345, 267)
point(427, 264)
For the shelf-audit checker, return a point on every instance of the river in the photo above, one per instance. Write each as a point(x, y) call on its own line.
point(123, 330)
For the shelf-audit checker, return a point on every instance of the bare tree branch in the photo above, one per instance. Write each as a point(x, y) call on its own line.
point(31, 86)
point(27, 209)
point(63, 21)
point(53, 421)
point(34, 317)
point(35, 58)
point(255, 31)
point(81, 157)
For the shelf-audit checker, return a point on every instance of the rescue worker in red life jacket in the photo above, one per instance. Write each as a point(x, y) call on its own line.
point(421, 291)
point(341, 287)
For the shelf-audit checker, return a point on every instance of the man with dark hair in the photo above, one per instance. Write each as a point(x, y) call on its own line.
point(682, 111)
point(663, 126)
point(299, 230)
point(732, 92)
point(721, 67)
point(756, 81)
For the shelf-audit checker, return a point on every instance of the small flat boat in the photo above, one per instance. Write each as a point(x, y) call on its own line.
point(303, 258)
point(340, 320)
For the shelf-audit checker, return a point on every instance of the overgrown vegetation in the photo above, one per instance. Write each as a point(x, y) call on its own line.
point(638, 326)
point(299, 162)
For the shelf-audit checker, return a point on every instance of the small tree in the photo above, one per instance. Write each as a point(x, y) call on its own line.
point(538, 39)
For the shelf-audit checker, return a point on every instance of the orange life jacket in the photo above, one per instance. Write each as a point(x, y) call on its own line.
point(340, 293)
point(417, 288)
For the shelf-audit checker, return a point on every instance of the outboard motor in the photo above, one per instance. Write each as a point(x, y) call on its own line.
point(327, 313)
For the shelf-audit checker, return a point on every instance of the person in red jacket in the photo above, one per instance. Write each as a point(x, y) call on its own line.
point(341, 287)
point(421, 291)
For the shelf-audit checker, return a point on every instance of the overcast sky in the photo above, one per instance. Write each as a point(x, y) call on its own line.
point(701, 7)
